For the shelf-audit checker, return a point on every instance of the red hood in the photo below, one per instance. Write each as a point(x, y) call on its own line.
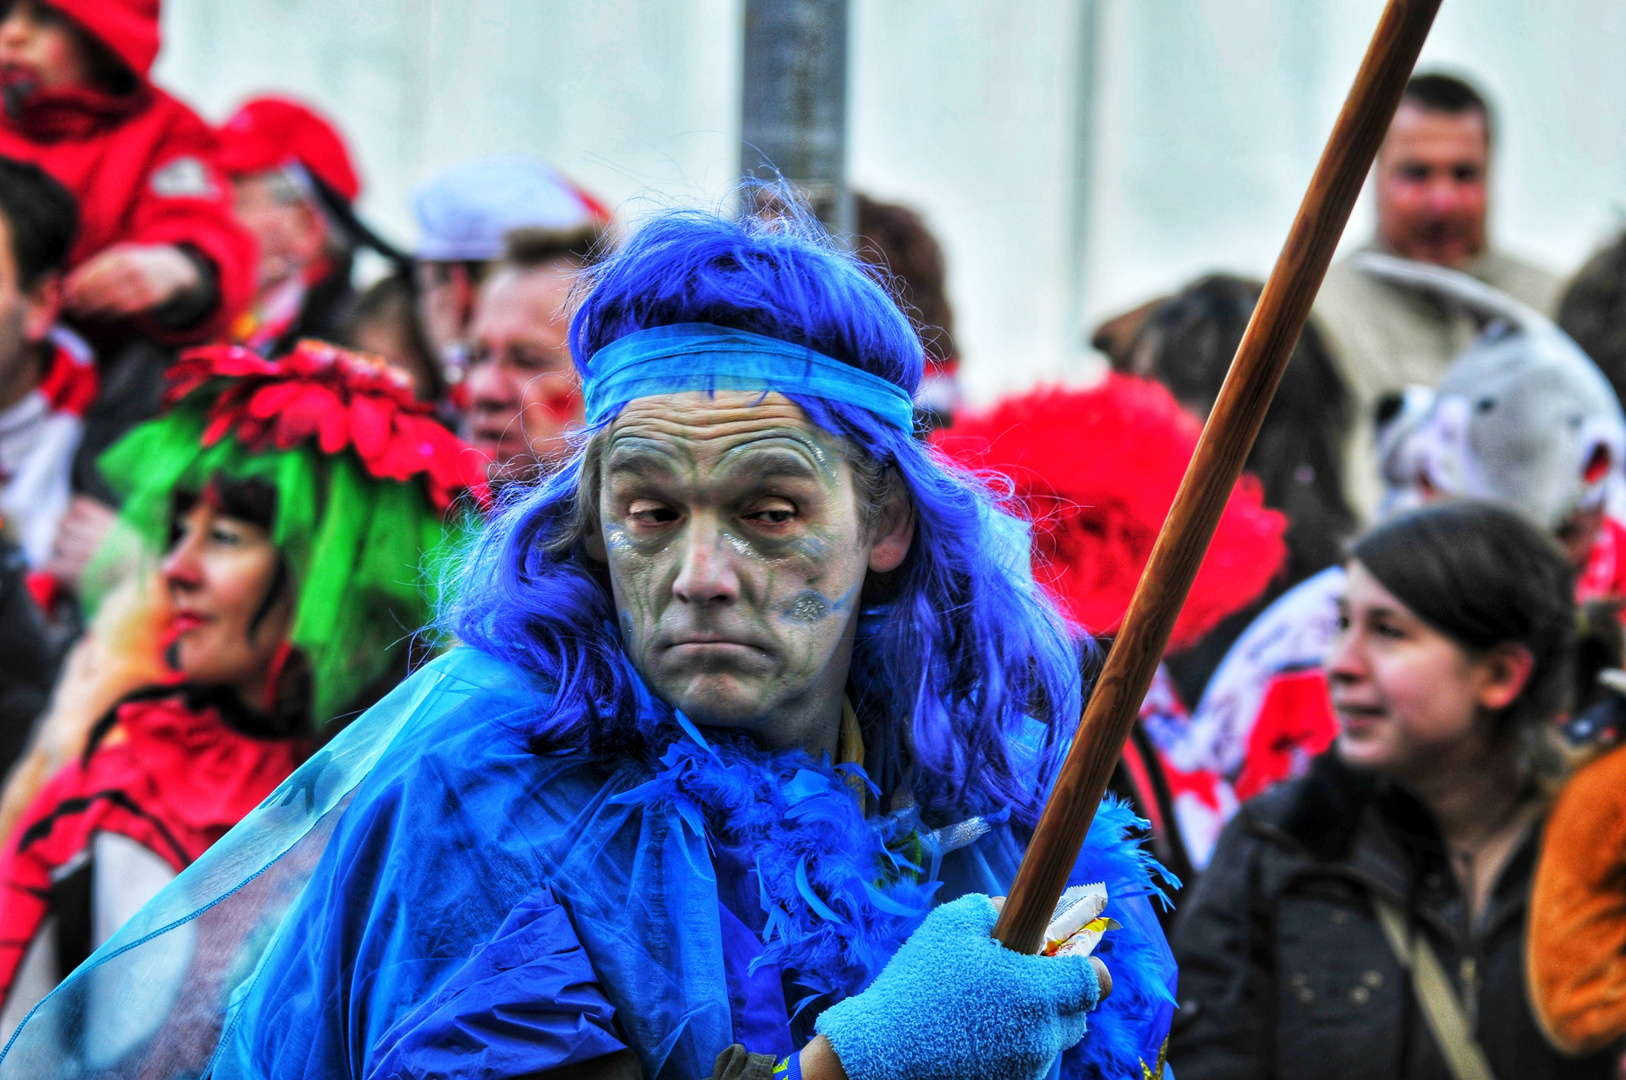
point(128, 27)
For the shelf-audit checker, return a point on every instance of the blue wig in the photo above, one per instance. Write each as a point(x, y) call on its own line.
point(957, 651)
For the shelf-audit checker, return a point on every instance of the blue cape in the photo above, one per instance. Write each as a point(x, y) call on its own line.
point(429, 897)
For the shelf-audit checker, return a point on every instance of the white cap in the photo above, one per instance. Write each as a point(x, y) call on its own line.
point(465, 211)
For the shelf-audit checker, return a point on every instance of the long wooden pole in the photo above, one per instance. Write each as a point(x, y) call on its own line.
point(1226, 440)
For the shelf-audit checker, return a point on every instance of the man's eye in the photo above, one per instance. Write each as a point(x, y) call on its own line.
point(778, 513)
point(652, 515)
point(1414, 172)
point(1343, 623)
point(534, 361)
point(1465, 174)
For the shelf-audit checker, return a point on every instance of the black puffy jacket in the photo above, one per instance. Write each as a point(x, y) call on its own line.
point(1285, 971)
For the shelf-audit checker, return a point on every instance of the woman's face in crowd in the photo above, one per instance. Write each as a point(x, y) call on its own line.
point(219, 573)
point(1410, 700)
point(737, 547)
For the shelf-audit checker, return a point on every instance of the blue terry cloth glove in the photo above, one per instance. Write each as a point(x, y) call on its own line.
point(955, 1004)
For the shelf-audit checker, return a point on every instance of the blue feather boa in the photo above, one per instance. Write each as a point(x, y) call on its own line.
point(842, 892)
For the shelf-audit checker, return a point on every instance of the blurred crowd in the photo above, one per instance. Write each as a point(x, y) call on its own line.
point(1379, 756)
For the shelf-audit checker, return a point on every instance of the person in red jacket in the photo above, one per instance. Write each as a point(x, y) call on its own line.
point(159, 253)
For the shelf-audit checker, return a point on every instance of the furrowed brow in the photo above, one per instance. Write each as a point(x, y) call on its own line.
point(773, 463)
point(629, 459)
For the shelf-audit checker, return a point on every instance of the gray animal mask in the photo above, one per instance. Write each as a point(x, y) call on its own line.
point(1522, 416)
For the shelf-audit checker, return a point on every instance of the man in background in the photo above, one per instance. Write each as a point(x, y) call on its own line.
point(464, 213)
point(47, 377)
point(1432, 188)
point(523, 391)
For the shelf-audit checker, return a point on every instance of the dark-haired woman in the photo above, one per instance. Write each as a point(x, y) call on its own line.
point(290, 503)
point(1368, 920)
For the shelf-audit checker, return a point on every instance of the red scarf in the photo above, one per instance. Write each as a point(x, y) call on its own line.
point(63, 113)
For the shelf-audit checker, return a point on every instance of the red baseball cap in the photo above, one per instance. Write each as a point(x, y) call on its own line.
point(273, 132)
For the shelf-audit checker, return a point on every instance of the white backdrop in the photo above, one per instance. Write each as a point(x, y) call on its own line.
point(1075, 156)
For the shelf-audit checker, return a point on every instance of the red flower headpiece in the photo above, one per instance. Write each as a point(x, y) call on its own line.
point(338, 398)
point(1096, 470)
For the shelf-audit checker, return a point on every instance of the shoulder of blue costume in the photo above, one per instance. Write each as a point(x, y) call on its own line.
point(442, 836)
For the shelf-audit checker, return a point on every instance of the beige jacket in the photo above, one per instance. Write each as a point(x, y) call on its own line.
point(1384, 338)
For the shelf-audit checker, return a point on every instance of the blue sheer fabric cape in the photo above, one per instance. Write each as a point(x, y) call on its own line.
point(429, 897)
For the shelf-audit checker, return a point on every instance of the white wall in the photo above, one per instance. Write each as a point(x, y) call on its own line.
point(1056, 205)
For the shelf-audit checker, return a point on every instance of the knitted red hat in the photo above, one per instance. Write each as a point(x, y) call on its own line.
point(273, 132)
point(128, 27)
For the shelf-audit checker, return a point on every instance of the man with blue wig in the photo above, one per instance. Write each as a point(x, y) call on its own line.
point(755, 709)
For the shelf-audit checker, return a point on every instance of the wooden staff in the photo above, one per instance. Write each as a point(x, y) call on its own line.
point(1225, 442)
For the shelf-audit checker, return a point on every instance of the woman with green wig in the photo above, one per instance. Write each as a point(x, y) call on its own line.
point(297, 507)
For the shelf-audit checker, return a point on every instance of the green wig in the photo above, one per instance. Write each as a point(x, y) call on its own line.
point(368, 492)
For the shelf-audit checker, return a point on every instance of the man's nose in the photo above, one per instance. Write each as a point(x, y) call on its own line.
point(707, 574)
point(489, 387)
point(1444, 194)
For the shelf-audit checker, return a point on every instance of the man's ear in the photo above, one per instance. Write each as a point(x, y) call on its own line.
point(1505, 671)
point(894, 532)
point(42, 305)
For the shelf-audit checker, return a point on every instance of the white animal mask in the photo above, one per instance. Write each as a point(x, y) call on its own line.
point(1522, 416)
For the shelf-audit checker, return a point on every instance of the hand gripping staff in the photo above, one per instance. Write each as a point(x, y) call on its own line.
point(1226, 440)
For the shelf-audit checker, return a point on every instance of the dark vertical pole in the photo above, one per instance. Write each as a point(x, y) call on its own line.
point(794, 102)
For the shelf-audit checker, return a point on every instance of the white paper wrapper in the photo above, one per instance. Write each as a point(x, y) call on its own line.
point(1076, 926)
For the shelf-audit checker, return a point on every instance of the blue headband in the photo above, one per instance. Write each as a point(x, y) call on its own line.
point(700, 356)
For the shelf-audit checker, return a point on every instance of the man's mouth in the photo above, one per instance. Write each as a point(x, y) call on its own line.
point(716, 645)
point(500, 443)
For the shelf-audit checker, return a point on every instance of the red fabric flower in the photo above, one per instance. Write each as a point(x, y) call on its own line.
point(1096, 471)
point(339, 399)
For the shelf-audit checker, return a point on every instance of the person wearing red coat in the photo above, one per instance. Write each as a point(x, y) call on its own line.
point(159, 253)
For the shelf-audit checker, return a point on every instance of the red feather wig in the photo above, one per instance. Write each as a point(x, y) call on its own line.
point(1096, 471)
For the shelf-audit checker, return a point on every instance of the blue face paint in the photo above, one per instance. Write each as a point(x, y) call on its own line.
point(810, 605)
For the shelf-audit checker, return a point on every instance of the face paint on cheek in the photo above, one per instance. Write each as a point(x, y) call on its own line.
point(562, 402)
point(741, 546)
point(810, 605)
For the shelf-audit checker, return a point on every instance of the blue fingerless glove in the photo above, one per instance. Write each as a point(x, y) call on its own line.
point(955, 1004)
